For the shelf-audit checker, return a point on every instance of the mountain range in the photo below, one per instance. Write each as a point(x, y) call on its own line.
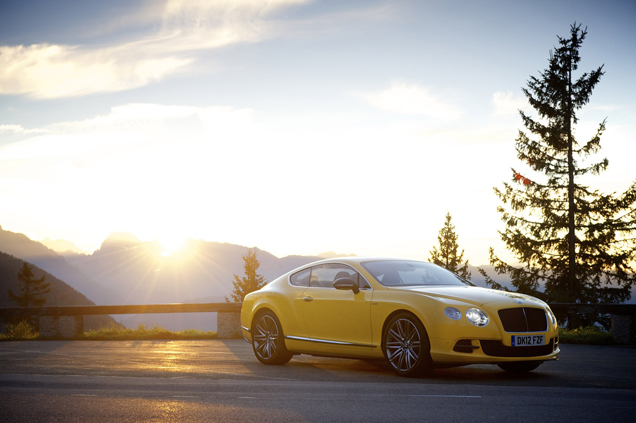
point(125, 270)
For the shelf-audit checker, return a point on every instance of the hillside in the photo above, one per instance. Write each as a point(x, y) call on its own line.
point(61, 293)
point(20, 246)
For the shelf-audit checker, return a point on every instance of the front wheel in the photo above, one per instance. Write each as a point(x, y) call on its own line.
point(406, 346)
point(519, 366)
point(268, 340)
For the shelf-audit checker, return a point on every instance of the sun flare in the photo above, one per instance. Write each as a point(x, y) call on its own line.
point(171, 245)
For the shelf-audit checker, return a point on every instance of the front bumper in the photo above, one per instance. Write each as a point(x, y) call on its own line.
point(475, 351)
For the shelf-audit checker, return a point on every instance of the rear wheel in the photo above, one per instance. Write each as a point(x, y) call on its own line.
point(268, 340)
point(519, 366)
point(406, 346)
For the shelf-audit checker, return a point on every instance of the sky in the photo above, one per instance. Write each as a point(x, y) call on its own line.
point(295, 126)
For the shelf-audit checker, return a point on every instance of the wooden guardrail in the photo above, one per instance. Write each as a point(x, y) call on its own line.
point(68, 321)
point(615, 309)
point(119, 309)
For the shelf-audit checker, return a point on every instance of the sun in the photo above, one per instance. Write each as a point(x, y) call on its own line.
point(170, 245)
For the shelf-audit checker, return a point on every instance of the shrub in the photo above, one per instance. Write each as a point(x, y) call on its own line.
point(590, 335)
point(19, 331)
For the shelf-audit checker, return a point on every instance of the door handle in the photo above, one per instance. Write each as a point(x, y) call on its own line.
point(307, 299)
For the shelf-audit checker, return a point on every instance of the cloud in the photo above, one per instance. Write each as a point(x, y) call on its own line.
point(53, 71)
point(507, 104)
point(412, 99)
point(19, 129)
point(126, 127)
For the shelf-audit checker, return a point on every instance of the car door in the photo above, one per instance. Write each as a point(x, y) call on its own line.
point(337, 316)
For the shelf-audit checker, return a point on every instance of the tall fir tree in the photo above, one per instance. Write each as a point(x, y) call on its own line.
point(446, 255)
point(573, 239)
point(252, 281)
point(32, 290)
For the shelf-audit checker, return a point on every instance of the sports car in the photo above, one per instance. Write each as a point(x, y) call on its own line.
point(415, 315)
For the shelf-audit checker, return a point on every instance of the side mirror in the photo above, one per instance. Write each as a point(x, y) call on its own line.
point(346, 284)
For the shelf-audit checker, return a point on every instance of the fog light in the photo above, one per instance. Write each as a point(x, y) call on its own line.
point(452, 313)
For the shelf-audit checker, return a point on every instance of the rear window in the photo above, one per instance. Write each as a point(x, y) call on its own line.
point(300, 278)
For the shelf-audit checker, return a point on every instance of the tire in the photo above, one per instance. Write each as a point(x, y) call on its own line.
point(519, 366)
point(406, 346)
point(268, 341)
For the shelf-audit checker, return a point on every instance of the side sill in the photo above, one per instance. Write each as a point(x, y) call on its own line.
point(323, 341)
point(245, 337)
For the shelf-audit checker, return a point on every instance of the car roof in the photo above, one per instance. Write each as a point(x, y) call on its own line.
point(353, 260)
point(357, 259)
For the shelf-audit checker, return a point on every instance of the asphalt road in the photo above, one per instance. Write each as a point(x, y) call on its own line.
point(184, 381)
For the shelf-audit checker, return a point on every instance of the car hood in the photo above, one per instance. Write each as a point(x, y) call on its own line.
point(473, 295)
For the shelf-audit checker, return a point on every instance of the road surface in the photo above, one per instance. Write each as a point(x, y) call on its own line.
point(188, 381)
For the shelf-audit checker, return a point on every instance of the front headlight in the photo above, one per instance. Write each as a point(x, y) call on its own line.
point(477, 317)
point(452, 313)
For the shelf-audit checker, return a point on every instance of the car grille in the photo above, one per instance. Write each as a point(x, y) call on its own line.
point(523, 319)
point(497, 349)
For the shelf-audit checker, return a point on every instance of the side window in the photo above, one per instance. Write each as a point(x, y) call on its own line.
point(324, 275)
point(300, 278)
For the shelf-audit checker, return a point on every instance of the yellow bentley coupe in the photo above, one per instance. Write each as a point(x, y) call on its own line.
point(415, 315)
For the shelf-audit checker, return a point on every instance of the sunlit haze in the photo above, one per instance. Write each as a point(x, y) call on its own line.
point(295, 126)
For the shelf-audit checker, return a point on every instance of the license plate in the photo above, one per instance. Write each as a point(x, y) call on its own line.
point(526, 340)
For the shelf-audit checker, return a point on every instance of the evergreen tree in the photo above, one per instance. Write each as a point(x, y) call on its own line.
point(446, 256)
point(573, 239)
point(251, 281)
point(33, 290)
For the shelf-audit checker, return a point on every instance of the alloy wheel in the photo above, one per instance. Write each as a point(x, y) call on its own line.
point(403, 345)
point(266, 337)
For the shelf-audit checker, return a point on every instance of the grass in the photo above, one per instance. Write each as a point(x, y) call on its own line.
point(143, 332)
point(590, 335)
point(23, 331)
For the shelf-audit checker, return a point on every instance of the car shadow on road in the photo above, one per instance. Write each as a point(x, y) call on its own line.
point(326, 369)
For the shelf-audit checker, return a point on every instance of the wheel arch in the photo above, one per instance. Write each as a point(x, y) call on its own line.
point(402, 310)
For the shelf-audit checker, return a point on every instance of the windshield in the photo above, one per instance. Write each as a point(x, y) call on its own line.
point(411, 273)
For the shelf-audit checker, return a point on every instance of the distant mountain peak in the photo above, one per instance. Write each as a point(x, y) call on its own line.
point(62, 246)
point(331, 254)
point(120, 239)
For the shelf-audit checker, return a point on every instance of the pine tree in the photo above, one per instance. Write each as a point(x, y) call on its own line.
point(251, 281)
point(571, 238)
point(446, 256)
point(33, 290)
